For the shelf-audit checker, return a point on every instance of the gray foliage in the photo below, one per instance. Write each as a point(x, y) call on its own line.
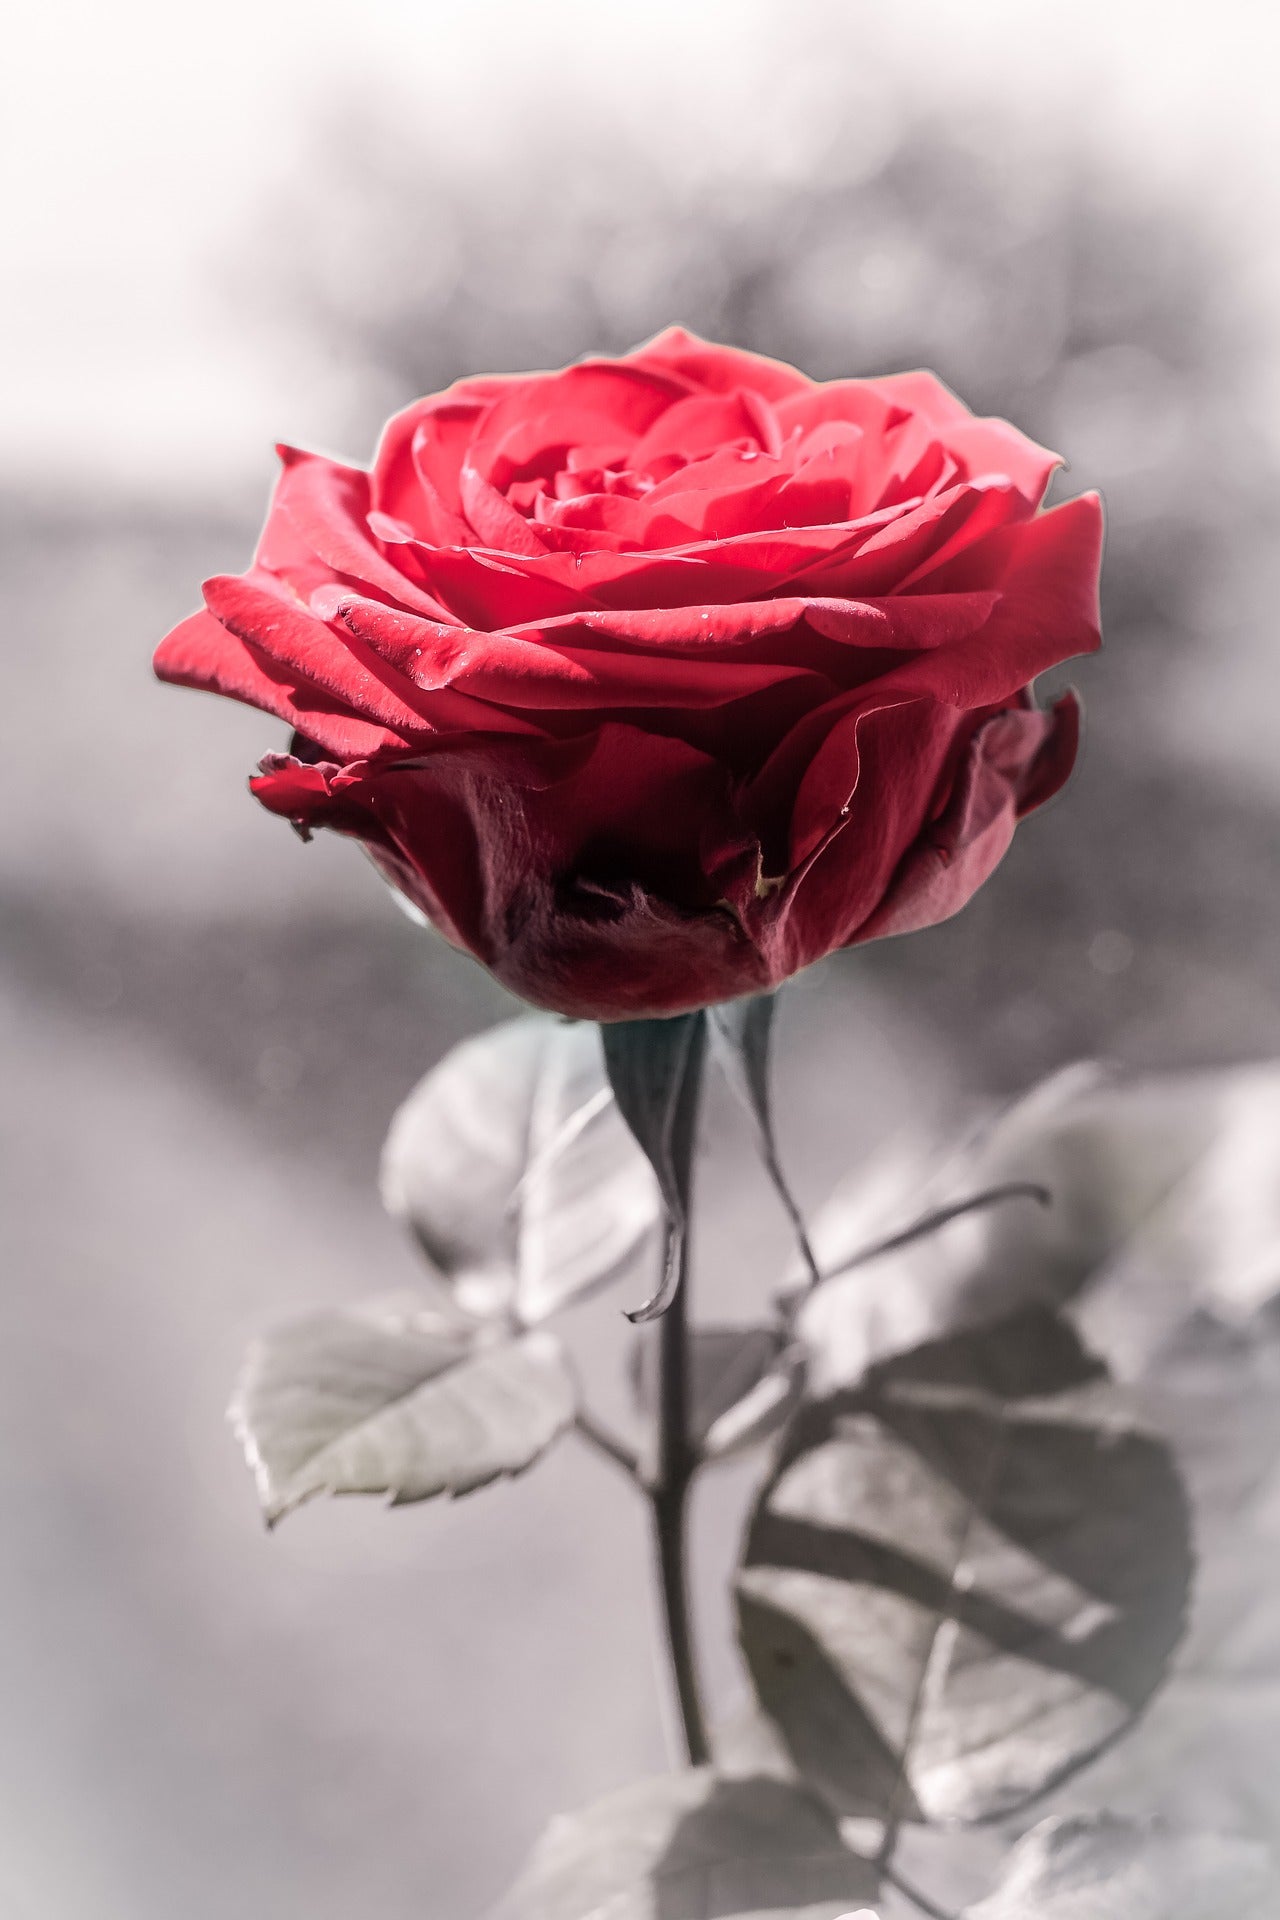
point(965, 1576)
point(398, 1401)
point(692, 1846)
point(744, 1381)
point(1165, 1203)
point(512, 1165)
point(1102, 1868)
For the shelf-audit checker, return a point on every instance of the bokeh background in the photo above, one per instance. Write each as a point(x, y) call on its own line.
point(279, 221)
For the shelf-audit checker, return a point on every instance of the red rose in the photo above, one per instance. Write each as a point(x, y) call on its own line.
point(654, 680)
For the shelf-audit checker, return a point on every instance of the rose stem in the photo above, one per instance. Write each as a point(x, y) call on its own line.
point(674, 1468)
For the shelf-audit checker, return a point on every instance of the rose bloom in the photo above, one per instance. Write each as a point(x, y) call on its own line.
point(653, 680)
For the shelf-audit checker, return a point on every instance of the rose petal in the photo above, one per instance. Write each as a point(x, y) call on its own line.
point(545, 671)
point(327, 506)
point(341, 665)
point(201, 653)
point(983, 445)
point(1016, 760)
point(717, 369)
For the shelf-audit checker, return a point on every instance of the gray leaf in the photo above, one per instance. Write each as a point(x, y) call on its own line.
point(1207, 1753)
point(1166, 1202)
point(692, 1846)
point(1101, 1868)
point(964, 1577)
point(515, 1170)
point(395, 1401)
point(744, 1381)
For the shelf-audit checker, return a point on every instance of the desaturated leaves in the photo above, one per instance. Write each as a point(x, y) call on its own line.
point(743, 1383)
point(517, 1173)
point(1164, 1207)
point(518, 1165)
point(964, 1576)
point(1165, 1204)
point(693, 1846)
point(395, 1400)
point(1101, 1868)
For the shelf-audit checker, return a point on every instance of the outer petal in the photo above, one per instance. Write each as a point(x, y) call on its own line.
point(556, 667)
point(439, 872)
point(573, 875)
point(1047, 611)
point(986, 446)
point(718, 369)
point(340, 664)
point(1016, 760)
point(326, 509)
point(201, 653)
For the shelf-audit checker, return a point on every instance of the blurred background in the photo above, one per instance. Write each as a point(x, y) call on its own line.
point(280, 222)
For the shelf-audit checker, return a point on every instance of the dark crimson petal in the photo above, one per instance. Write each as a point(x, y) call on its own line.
point(717, 369)
point(548, 881)
point(416, 832)
point(1047, 611)
point(829, 786)
point(849, 839)
point(641, 958)
point(1016, 761)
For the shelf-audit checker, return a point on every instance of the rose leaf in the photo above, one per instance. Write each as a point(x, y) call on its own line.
point(1104, 1868)
point(963, 1577)
point(514, 1169)
point(1165, 1205)
point(744, 1382)
point(693, 1846)
point(395, 1400)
